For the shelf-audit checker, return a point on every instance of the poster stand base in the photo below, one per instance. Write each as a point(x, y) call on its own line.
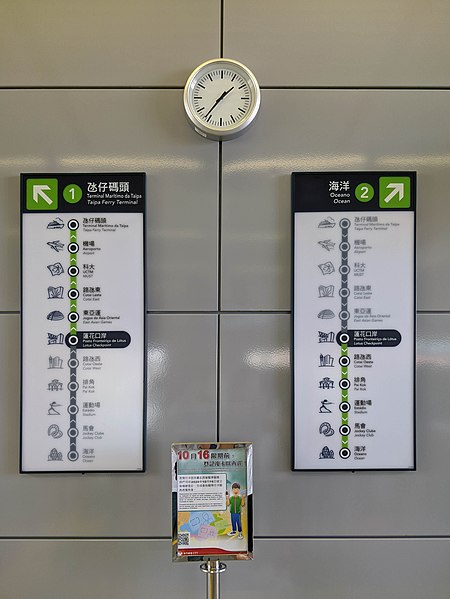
point(213, 569)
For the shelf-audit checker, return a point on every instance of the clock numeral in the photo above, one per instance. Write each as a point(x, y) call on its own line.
point(233, 78)
point(243, 85)
point(200, 85)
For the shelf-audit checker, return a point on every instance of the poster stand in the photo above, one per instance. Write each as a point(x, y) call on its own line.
point(213, 569)
point(212, 501)
point(212, 506)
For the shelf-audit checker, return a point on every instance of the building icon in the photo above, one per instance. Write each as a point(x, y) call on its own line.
point(326, 383)
point(55, 385)
point(326, 337)
point(326, 361)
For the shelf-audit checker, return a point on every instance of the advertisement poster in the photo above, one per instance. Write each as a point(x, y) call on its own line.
point(83, 322)
point(354, 320)
point(212, 501)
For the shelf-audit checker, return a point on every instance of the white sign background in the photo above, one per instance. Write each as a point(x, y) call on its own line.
point(202, 492)
point(110, 434)
point(390, 271)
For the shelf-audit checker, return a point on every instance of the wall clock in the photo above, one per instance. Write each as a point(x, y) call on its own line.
point(221, 99)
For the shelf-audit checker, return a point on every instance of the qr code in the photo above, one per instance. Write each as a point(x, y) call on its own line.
point(184, 538)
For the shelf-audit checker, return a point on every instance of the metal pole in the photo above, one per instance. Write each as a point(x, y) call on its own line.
point(213, 569)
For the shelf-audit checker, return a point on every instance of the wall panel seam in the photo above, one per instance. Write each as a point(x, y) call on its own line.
point(89, 87)
point(257, 538)
point(263, 87)
point(358, 87)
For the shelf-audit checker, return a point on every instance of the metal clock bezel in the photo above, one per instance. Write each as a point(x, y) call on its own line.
point(210, 131)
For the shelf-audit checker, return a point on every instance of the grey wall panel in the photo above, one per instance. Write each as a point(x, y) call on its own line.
point(181, 407)
point(10, 234)
point(101, 569)
point(9, 393)
point(310, 569)
point(344, 569)
point(121, 130)
point(319, 130)
point(61, 43)
point(348, 43)
point(150, 43)
point(256, 406)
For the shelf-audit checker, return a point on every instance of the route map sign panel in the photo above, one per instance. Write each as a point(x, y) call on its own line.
point(83, 322)
point(353, 337)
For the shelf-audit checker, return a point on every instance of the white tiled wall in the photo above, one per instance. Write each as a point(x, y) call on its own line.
point(97, 86)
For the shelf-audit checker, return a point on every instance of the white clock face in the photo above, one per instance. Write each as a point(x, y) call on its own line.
point(221, 98)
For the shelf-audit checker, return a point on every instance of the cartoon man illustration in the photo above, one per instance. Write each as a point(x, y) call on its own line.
point(236, 503)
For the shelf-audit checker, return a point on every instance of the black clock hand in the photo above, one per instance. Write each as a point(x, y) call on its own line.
point(219, 99)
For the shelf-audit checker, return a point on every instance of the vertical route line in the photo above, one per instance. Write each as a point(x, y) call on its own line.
point(344, 316)
point(73, 384)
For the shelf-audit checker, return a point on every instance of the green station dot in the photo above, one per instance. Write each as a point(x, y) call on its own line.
point(72, 193)
point(364, 192)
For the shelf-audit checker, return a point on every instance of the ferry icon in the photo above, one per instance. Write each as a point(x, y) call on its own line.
point(327, 223)
point(56, 224)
